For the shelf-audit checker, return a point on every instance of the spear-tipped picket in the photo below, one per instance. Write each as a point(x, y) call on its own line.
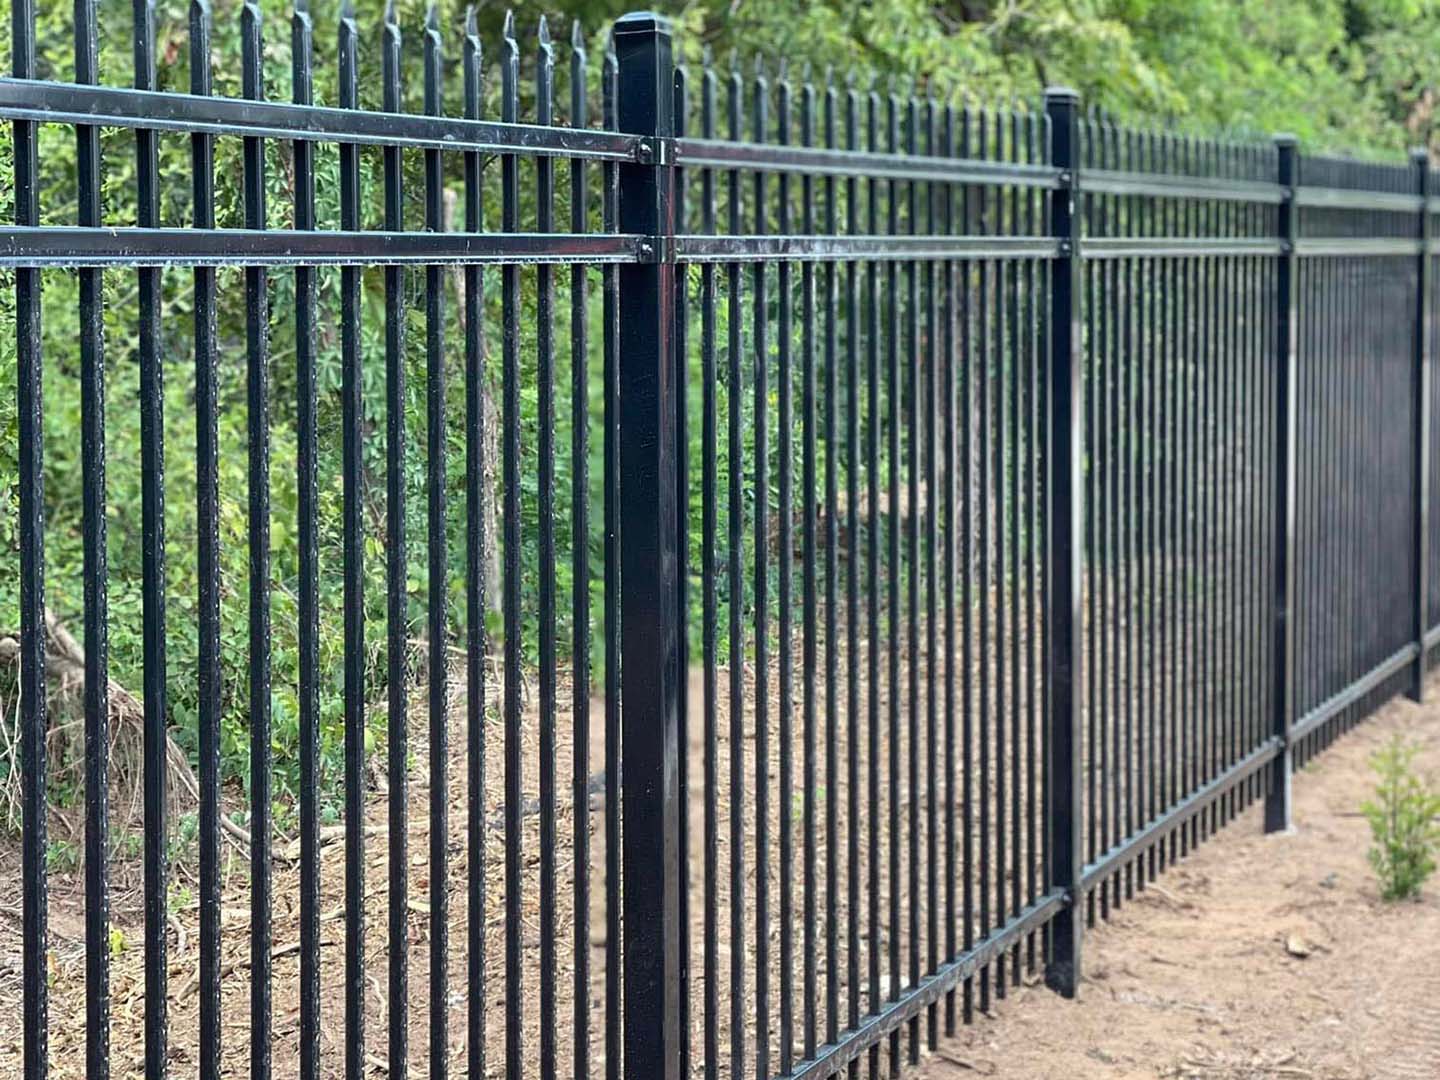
point(439, 569)
point(545, 379)
point(476, 546)
point(609, 209)
point(257, 359)
point(353, 558)
point(96, 610)
point(514, 687)
point(580, 564)
point(577, 49)
point(396, 570)
point(301, 34)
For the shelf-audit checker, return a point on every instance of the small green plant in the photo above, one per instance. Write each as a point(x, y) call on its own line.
point(62, 857)
point(1403, 821)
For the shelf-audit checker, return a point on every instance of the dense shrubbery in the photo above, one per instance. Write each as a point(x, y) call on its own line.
point(1353, 75)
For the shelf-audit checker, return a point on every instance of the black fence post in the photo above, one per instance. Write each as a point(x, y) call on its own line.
point(1064, 486)
point(1277, 798)
point(649, 614)
point(1421, 158)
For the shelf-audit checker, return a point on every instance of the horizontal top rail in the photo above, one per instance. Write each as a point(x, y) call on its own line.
point(706, 248)
point(1352, 246)
point(1345, 199)
point(824, 161)
point(1168, 186)
point(157, 110)
point(1177, 247)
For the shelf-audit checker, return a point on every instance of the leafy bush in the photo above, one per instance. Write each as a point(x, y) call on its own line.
point(1403, 820)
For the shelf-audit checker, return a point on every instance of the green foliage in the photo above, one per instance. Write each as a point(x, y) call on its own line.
point(1404, 820)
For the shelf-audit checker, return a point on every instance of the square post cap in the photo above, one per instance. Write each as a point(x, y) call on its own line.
point(641, 22)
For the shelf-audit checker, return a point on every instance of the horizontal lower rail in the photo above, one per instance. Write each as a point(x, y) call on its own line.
point(63, 247)
point(1432, 637)
point(1176, 247)
point(724, 249)
point(1162, 186)
point(1357, 246)
point(1373, 678)
point(823, 161)
point(156, 110)
point(832, 1057)
point(1122, 854)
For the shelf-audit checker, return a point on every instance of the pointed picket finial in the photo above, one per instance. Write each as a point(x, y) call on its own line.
point(707, 55)
point(472, 23)
point(347, 11)
point(432, 19)
point(782, 70)
point(735, 61)
point(542, 35)
point(577, 36)
point(391, 18)
point(507, 31)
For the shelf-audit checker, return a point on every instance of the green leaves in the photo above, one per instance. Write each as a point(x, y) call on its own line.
point(1403, 821)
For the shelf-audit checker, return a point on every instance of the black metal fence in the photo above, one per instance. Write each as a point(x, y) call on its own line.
point(1027, 494)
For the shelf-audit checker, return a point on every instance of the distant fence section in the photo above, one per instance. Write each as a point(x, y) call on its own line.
point(992, 504)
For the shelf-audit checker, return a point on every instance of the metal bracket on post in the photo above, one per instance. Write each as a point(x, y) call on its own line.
point(1065, 510)
point(650, 630)
point(1277, 797)
point(1421, 159)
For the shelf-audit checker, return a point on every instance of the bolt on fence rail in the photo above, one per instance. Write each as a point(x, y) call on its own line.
point(1035, 493)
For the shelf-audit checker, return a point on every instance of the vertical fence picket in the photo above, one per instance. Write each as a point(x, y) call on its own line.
point(93, 526)
point(545, 410)
point(152, 455)
point(307, 471)
point(207, 529)
point(352, 469)
point(396, 568)
point(33, 721)
point(580, 567)
point(477, 547)
point(510, 455)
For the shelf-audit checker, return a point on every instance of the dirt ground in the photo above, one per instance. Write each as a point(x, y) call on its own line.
point(1257, 957)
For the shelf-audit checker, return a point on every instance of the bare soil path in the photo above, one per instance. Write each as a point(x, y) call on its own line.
point(1257, 957)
